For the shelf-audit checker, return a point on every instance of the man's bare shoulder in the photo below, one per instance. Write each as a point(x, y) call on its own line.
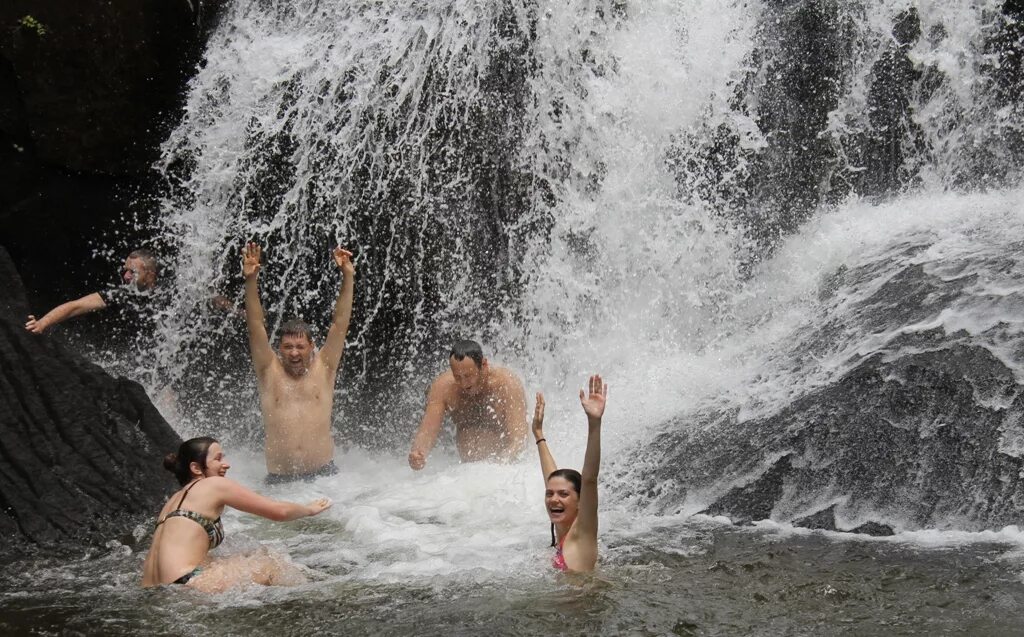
point(443, 384)
point(273, 368)
point(505, 377)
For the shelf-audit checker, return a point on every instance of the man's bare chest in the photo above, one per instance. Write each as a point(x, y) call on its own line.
point(480, 412)
point(310, 388)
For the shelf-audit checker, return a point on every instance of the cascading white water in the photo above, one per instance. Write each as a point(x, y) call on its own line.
point(312, 124)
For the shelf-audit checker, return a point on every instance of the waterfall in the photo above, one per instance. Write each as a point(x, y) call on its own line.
point(635, 188)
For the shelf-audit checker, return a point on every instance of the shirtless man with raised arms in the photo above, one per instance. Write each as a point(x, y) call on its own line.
point(297, 384)
point(487, 404)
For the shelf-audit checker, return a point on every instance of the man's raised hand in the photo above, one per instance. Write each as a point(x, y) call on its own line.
point(593, 403)
point(251, 260)
point(343, 259)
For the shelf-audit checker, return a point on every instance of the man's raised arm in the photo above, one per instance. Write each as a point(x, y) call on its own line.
point(334, 345)
point(259, 343)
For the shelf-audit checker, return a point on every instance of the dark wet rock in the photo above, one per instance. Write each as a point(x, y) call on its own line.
point(918, 442)
point(90, 83)
point(800, 69)
point(825, 520)
point(921, 428)
point(755, 500)
point(80, 450)
point(874, 529)
point(88, 92)
point(894, 140)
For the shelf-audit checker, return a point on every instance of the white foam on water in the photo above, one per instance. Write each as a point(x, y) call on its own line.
point(1010, 537)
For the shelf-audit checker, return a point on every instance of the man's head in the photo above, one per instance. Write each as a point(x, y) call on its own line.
point(468, 366)
point(141, 268)
point(296, 347)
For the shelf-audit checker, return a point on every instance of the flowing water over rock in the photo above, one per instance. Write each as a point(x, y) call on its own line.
point(788, 233)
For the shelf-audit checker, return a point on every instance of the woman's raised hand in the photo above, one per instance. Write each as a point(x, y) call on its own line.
point(538, 418)
point(593, 401)
point(343, 259)
point(250, 260)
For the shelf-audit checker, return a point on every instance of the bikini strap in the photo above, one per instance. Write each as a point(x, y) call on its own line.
point(182, 501)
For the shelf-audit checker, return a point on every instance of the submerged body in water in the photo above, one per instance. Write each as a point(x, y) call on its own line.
point(184, 535)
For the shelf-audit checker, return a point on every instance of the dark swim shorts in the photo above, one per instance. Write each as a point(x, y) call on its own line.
point(328, 469)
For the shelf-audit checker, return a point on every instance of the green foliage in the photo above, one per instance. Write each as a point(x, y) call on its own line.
point(31, 24)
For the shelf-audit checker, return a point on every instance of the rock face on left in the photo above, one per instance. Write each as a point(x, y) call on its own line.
point(80, 450)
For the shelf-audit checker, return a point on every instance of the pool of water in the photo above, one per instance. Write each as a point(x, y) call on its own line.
point(463, 550)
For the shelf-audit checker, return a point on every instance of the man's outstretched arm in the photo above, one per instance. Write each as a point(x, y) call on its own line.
point(334, 345)
point(259, 343)
point(430, 426)
point(64, 311)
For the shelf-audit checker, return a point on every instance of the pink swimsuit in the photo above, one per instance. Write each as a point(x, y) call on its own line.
point(558, 561)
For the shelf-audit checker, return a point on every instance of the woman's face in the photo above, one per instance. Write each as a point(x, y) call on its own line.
point(216, 461)
point(561, 500)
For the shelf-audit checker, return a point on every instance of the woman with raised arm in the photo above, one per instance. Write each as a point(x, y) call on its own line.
point(571, 497)
point(189, 525)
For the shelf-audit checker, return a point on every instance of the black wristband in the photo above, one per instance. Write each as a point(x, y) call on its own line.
point(542, 440)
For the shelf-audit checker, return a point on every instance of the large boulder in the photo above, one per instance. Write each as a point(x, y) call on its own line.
point(877, 416)
point(929, 440)
point(80, 450)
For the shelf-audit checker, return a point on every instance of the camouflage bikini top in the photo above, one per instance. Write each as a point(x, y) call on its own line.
point(214, 529)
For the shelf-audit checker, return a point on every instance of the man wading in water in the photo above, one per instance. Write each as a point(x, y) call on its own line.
point(297, 387)
point(486, 403)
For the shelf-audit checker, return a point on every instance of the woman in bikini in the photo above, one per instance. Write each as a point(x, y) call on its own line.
point(189, 525)
point(571, 497)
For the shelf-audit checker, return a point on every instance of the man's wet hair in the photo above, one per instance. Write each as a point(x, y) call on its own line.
point(472, 349)
point(148, 259)
point(296, 327)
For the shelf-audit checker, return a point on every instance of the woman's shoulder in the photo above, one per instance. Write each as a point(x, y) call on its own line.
point(217, 482)
point(213, 486)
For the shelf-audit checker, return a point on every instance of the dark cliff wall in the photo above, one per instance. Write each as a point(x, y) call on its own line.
point(80, 451)
point(88, 92)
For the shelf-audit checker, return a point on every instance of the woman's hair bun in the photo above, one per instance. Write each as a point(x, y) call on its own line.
point(171, 461)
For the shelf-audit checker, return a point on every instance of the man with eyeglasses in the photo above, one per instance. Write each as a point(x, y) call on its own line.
point(139, 276)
